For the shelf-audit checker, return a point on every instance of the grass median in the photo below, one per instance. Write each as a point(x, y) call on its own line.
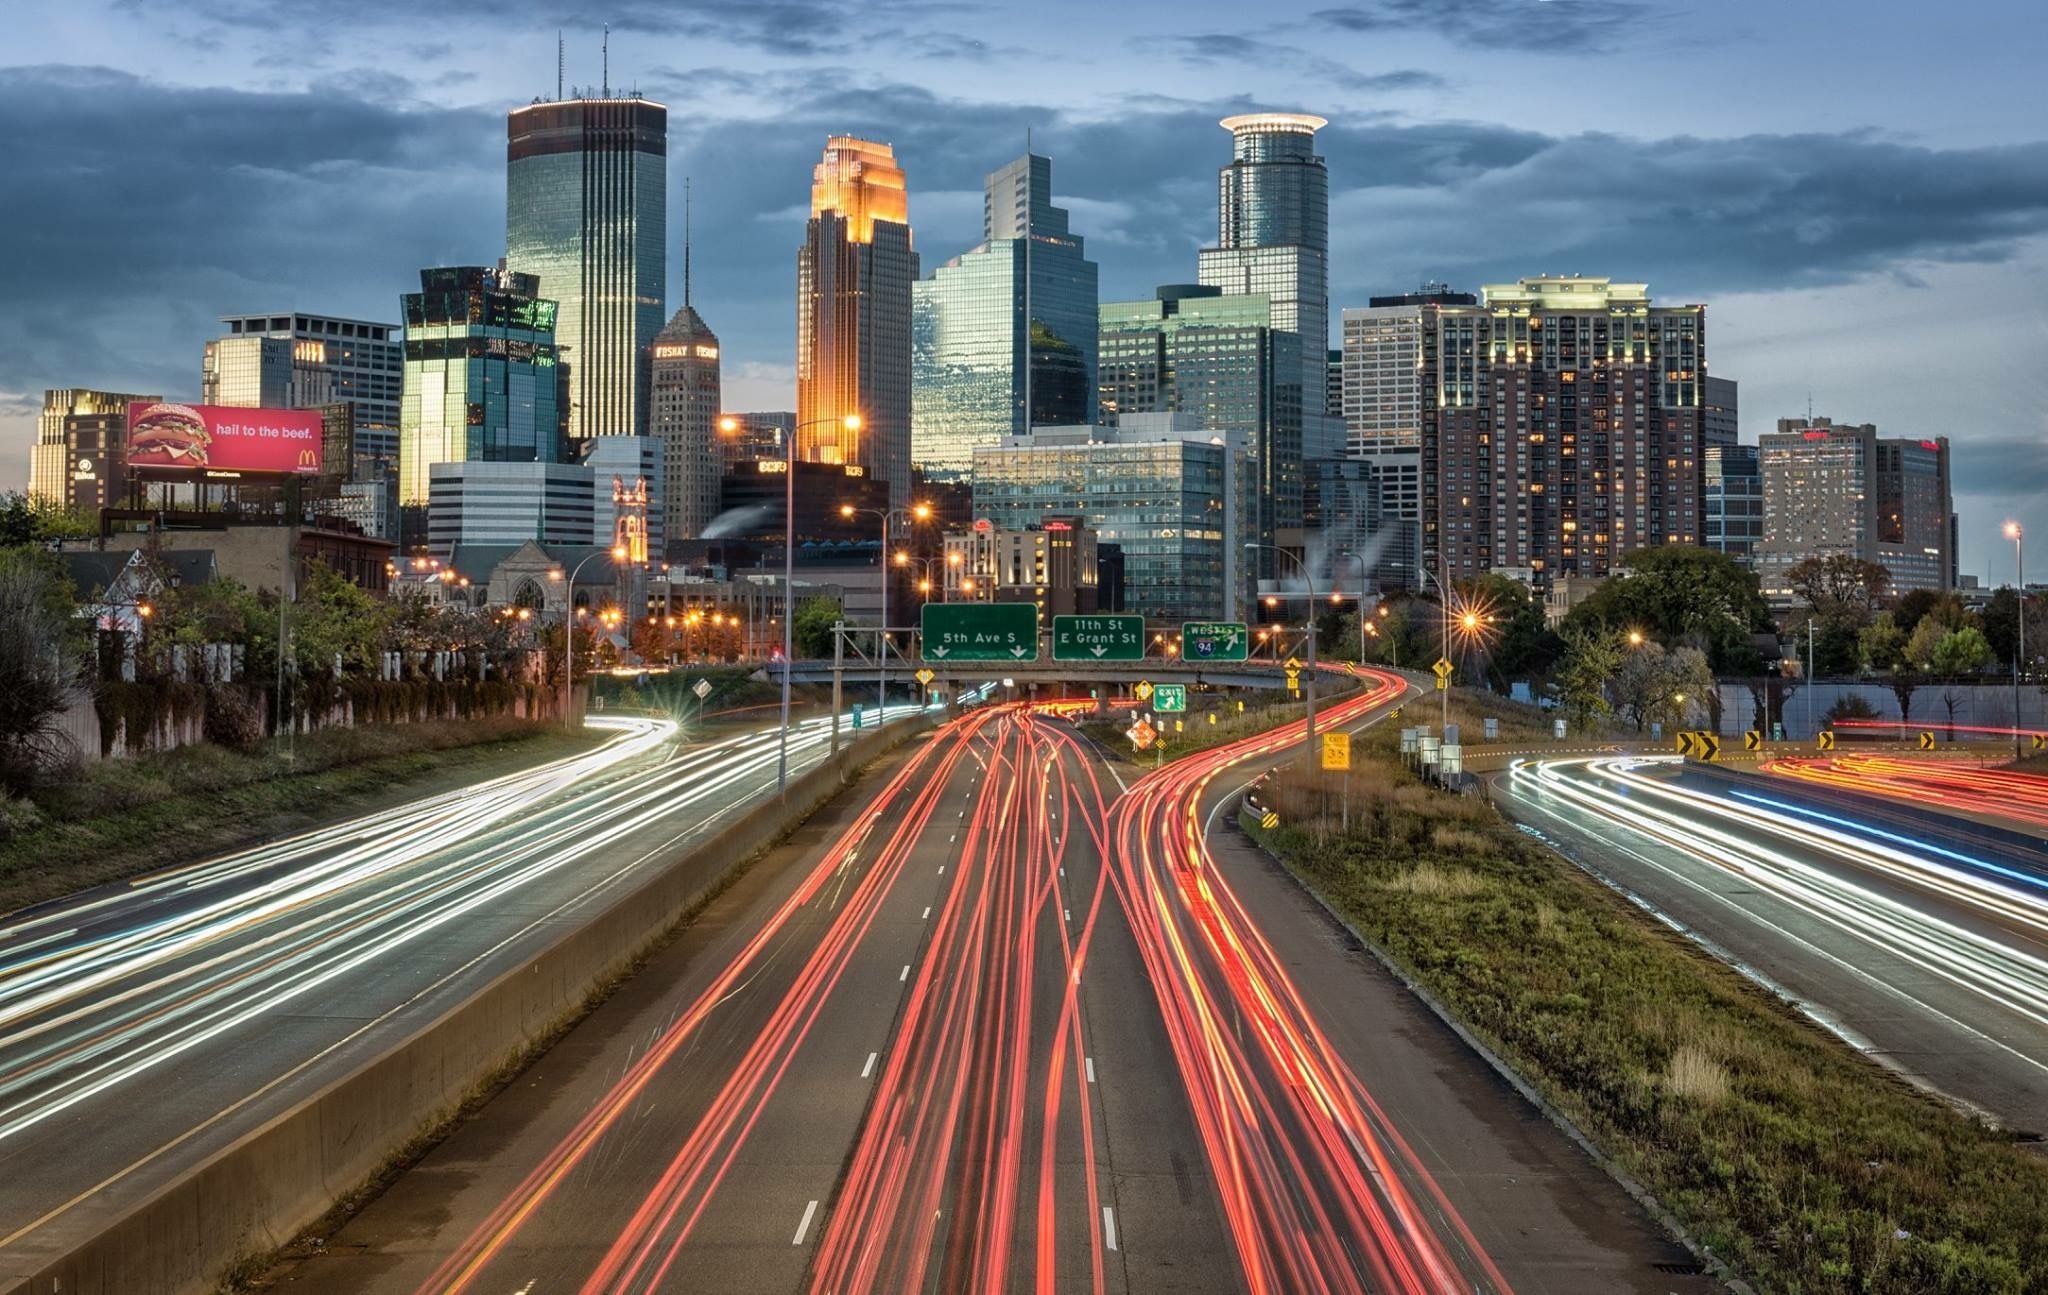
point(1802, 1165)
point(116, 819)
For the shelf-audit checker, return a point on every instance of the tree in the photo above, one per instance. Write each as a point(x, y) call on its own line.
point(1915, 604)
point(812, 630)
point(2001, 623)
point(1581, 676)
point(1921, 643)
point(1961, 652)
point(1881, 644)
point(1660, 687)
point(1682, 597)
point(1769, 695)
point(1840, 588)
point(1520, 642)
point(43, 652)
point(37, 521)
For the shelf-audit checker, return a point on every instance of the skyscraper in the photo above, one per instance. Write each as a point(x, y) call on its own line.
point(1273, 237)
point(1218, 360)
point(683, 402)
point(1723, 425)
point(482, 378)
point(586, 210)
point(1841, 489)
point(1382, 399)
point(854, 277)
point(364, 360)
point(1561, 428)
point(970, 383)
point(264, 373)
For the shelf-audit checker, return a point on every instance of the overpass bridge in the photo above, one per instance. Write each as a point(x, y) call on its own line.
point(951, 676)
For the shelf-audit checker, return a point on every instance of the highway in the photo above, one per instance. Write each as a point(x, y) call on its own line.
point(997, 1023)
point(1994, 794)
point(1929, 958)
point(144, 1025)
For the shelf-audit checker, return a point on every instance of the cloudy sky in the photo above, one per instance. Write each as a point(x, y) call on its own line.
point(1858, 188)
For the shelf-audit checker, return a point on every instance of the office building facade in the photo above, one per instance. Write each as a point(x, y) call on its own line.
point(1003, 337)
point(1732, 500)
point(627, 506)
point(364, 360)
point(759, 435)
point(1721, 423)
point(1054, 564)
point(1561, 428)
point(854, 277)
point(586, 213)
point(1381, 401)
point(1218, 361)
point(1834, 489)
point(79, 458)
point(484, 502)
point(1176, 499)
point(261, 372)
point(684, 401)
point(1273, 239)
point(483, 380)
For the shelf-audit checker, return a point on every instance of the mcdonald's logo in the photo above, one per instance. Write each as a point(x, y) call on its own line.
point(309, 458)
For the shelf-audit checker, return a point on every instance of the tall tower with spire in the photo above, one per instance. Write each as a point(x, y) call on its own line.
point(683, 404)
point(854, 276)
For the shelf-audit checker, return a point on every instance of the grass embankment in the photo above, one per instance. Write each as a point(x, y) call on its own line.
point(1802, 1165)
point(117, 818)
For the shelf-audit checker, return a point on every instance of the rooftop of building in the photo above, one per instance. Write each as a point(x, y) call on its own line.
point(686, 325)
point(1294, 123)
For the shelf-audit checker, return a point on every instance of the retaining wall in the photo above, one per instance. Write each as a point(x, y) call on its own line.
point(255, 1194)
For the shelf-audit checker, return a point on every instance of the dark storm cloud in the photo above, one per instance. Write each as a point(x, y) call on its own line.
point(2005, 467)
point(1694, 215)
point(137, 213)
point(1547, 25)
point(1227, 49)
point(791, 28)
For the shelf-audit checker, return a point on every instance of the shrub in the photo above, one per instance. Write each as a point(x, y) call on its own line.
point(17, 816)
point(1851, 706)
point(233, 719)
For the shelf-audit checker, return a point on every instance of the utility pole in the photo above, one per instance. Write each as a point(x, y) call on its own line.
point(838, 671)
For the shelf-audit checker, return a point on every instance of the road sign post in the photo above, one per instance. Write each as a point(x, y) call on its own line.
point(979, 632)
point(1214, 641)
point(1442, 670)
point(1336, 750)
point(1098, 638)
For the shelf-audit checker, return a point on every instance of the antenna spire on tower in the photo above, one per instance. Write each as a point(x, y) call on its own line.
point(607, 60)
point(560, 61)
point(686, 240)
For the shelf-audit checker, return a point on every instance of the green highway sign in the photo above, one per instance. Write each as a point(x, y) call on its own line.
point(1169, 696)
point(1098, 638)
point(980, 631)
point(1214, 641)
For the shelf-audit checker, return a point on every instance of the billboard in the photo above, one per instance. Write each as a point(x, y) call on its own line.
point(223, 440)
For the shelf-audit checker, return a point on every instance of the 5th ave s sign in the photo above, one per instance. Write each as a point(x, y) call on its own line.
point(980, 631)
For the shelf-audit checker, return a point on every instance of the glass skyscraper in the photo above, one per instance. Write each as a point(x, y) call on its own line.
point(1273, 237)
point(586, 210)
point(970, 384)
point(1218, 360)
point(854, 275)
point(1174, 497)
point(482, 377)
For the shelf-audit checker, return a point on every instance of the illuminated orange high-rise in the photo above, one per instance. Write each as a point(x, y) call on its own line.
point(853, 314)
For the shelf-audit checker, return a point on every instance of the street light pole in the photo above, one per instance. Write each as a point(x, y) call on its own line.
point(727, 425)
point(617, 554)
point(1308, 581)
point(2017, 534)
point(914, 513)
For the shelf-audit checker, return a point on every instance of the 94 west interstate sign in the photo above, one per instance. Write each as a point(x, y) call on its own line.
point(980, 631)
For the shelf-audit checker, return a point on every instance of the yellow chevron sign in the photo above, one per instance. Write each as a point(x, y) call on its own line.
point(1827, 739)
point(1926, 741)
point(1698, 744)
point(1753, 740)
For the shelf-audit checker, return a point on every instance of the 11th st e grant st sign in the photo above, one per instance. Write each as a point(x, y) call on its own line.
point(980, 632)
point(1098, 638)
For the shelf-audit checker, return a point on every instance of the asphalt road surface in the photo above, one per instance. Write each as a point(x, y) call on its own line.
point(146, 1024)
point(1931, 959)
point(998, 1023)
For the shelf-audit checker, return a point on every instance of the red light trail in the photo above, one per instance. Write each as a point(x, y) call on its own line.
point(1941, 785)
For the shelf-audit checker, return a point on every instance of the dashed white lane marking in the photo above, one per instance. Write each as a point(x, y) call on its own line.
point(952, 838)
point(1091, 1068)
point(1067, 913)
point(906, 974)
point(869, 1068)
point(810, 1212)
point(1108, 1225)
point(942, 870)
point(927, 913)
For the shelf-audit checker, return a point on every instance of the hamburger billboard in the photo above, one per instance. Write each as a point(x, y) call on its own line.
point(223, 440)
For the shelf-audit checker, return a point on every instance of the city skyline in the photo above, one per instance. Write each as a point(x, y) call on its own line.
point(1839, 240)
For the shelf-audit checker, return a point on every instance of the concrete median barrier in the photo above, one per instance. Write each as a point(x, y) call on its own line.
point(257, 1192)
